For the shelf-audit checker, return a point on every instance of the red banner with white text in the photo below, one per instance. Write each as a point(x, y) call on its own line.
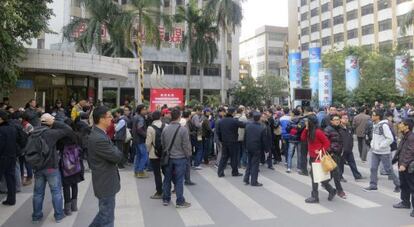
point(170, 97)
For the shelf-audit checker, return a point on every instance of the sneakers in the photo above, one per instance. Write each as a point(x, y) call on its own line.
point(332, 194)
point(401, 205)
point(343, 180)
point(156, 196)
point(397, 189)
point(142, 174)
point(189, 183)
point(60, 219)
point(165, 203)
point(342, 195)
point(370, 188)
point(183, 205)
point(197, 167)
point(257, 184)
point(288, 171)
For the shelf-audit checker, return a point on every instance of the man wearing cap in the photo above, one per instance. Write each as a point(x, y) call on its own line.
point(227, 131)
point(53, 131)
point(255, 141)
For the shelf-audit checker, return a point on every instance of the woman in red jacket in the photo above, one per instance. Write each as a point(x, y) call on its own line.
point(317, 141)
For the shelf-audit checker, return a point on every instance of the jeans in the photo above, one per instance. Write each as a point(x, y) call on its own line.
point(348, 156)
point(229, 150)
point(106, 214)
point(8, 170)
point(156, 166)
point(243, 154)
point(141, 157)
point(291, 151)
point(53, 178)
point(219, 147)
point(176, 167)
point(198, 152)
point(24, 164)
point(285, 146)
point(385, 160)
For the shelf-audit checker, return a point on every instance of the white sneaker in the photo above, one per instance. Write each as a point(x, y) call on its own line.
point(288, 170)
point(198, 167)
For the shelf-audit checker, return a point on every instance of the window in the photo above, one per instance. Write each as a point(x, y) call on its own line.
point(337, 3)
point(349, 1)
point(314, 28)
point(339, 37)
point(368, 29)
point(212, 71)
point(405, 43)
point(260, 66)
point(40, 43)
point(383, 4)
point(305, 46)
point(314, 12)
point(179, 2)
point(338, 20)
point(167, 3)
point(385, 46)
point(326, 23)
point(351, 15)
point(305, 31)
point(303, 2)
point(401, 1)
point(325, 7)
point(368, 9)
point(304, 16)
point(385, 25)
point(260, 52)
point(276, 51)
point(273, 65)
point(277, 37)
point(401, 20)
point(352, 33)
point(326, 41)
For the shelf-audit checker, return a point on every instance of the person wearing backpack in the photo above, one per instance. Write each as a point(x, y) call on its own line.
point(42, 154)
point(8, 151)
point(382, 138)
point(294, 128)
point(154, 147)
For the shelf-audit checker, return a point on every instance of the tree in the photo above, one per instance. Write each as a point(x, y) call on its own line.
point(272, 86)
point(191, 15)
point(204, 49)
point(21, 21)
point(248, 93)
point(228, 14)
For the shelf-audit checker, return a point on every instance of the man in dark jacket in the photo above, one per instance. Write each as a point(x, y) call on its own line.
point(103, 159)
point(227, 132)
point(49, 173)
point(33, 113)
point(255, 140)
point(336, 150)
point(121, 134)
point(405, 158)
point(8, 149)
point(139, 134)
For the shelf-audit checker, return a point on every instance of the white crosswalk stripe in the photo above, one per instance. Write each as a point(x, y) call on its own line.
point(128, 210)
point(292, 197)
point(194, 216)
point(243, 202)
point(70, 220)
point(351, 198)
point(6, 212)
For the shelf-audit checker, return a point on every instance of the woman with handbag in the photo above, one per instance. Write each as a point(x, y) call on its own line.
point(317, 142)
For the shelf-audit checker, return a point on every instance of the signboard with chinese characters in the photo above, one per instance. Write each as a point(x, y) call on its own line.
point(325, 87)
point(295, 73)
point(169, 97)
point(351, 73)
point(401, 72)
point(314, 65)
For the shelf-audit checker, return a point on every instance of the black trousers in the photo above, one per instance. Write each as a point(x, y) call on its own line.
point(8, 170)
point(121, 147)
point(229, 150)
point(325, 184)
point(348, 156)
point(67, 195)
point(156, 167)
point(277, 154)
point(336, 173)
point(407, 187)
point(362, 152)
point(252, 170)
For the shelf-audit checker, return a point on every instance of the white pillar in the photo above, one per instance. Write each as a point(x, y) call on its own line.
point(100, 90)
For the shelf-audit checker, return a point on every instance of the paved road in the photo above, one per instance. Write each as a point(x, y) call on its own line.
point(228, 202)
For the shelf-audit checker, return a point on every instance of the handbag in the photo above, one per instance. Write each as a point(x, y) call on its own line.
point(328, 164)
point(165, 158)
point(318, 173)
point(128, 136)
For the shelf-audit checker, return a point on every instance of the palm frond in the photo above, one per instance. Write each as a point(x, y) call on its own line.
point(408, 22)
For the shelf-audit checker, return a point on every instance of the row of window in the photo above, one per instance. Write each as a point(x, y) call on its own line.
point(275, 51)
point(176, 68)
point(382, 4)
point(366, 30)
point(404, 42)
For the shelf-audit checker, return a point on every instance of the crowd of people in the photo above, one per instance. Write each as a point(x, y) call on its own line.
point(56, 148)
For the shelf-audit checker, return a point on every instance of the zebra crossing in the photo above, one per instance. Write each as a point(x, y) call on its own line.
point(225, 202)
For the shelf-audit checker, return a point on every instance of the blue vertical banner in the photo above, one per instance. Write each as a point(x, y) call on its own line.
point(401, 72)
point(295, 73)
point(351, 73)
point(325, 87)
point(314, 66)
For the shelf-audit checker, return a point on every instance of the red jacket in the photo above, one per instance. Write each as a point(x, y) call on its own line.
point(320, 142)
point(110, 131)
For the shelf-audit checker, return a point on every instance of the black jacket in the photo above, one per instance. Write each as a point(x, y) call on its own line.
point(348, 140)
point(227, 129)
point(8, 139)
point(335, 139)
point(34, 116)
point(405, 152)
point(255, 137)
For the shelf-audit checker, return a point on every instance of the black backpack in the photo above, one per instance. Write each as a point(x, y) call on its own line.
point(37, 152)
point(157, 143)
point(21, 139)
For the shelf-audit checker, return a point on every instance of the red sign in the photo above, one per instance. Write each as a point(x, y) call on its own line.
point(170, 97)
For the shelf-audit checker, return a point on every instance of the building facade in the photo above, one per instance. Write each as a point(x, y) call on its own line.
point(169, 58)
point(374, 24)
point(265, 51)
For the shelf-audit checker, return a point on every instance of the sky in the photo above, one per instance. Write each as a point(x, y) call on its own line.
point(257, 13)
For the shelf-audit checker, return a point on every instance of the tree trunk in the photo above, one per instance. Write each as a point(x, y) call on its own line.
point(223, 41)
point(201, 84)
point(139, 82)
point(188, 72)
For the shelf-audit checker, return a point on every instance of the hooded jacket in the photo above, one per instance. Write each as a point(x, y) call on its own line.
point(380, 143)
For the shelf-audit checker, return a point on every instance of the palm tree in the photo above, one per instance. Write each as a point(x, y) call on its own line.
point(204, 49)
point(103, 15)
point(228, 14)
point(191, 15)
point(408, 22)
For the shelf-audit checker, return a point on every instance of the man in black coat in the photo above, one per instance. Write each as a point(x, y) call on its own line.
point(103, 160)
point(227, 132)
point(8, 149)
point(255, 139)
point(405, 158)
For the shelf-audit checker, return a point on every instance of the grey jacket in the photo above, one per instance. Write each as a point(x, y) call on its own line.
point(103, 157)
point(182, 145)
point(360, 123)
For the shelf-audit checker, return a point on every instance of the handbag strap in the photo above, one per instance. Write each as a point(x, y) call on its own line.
point(173, 140)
